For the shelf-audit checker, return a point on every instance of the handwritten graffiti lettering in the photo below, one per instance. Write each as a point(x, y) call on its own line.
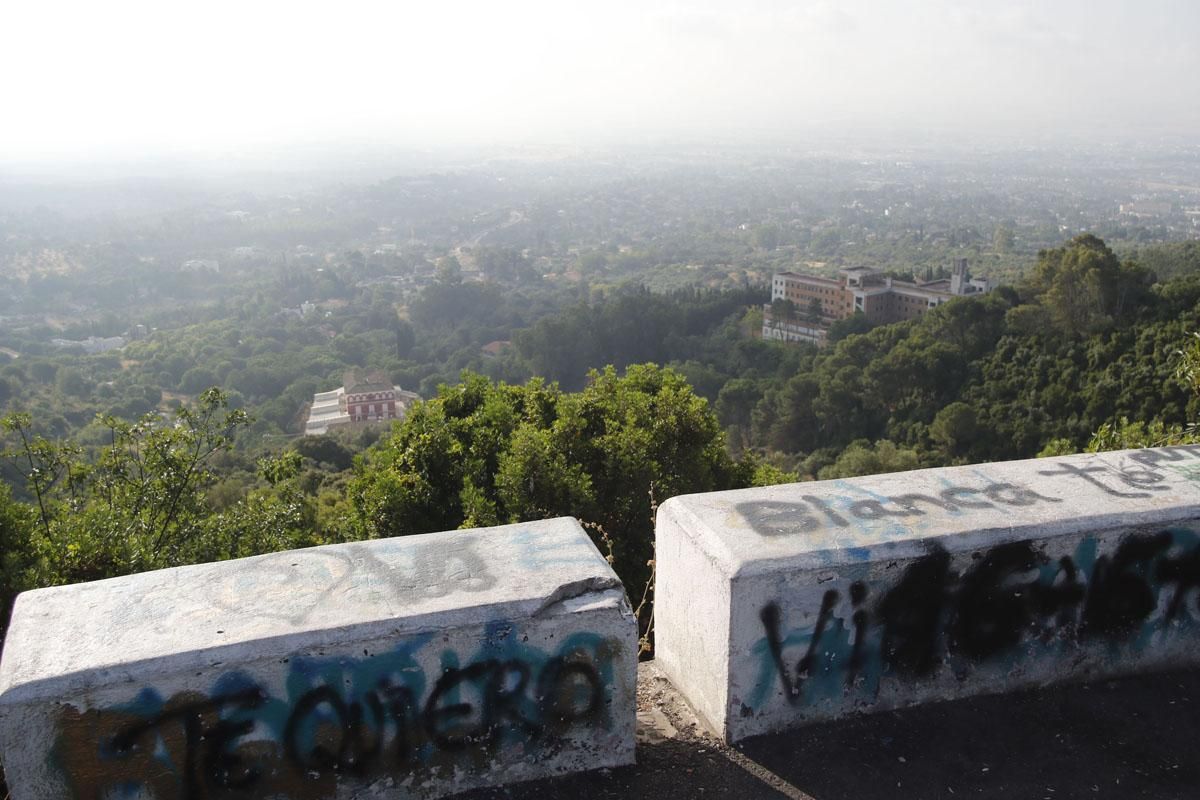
point(774, 518)
point(1158, 455)
point(1142, 479)
point(1006, 604)
point(1140, 475)
point(312, 578)
point(341, 717)
point(202, 740)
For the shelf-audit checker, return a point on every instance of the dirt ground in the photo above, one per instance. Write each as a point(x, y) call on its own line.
point(1129, 738)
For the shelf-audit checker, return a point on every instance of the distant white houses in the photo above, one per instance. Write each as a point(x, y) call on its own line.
point(302, 310)
point(364, 398)
point(92, 344)
point(325, 412)
point(200, 265)
point(1146, 208)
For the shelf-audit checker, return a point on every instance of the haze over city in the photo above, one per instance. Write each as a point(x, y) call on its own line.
point(399, 399)
point(88, 81)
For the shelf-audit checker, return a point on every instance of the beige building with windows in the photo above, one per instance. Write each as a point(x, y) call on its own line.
point(882, 299)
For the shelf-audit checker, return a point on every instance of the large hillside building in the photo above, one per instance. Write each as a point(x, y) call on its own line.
point(882, 299)
point(365, 398)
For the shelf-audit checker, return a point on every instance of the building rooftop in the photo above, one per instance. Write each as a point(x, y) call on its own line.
point(797, 276)
point(328, 409)
point(922, 290)
point(871, 291)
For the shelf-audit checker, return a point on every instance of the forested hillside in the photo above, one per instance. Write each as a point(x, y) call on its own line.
point(1085, 340)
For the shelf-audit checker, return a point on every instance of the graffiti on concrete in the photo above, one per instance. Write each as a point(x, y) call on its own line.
point(539, 549)
point(1140, 475)
point(311, 578)
point(997, 607)
point(378, 716)
point(772, 518)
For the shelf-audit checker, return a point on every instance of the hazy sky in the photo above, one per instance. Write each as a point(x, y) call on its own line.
point(89, 78)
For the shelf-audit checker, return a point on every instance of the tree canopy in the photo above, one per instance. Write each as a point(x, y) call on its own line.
point(483, 454)
point(139, 502)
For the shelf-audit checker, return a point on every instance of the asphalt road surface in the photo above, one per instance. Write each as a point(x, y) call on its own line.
point(1129, 738)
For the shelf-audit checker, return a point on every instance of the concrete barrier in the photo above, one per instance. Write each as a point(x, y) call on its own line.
point(409, 667)
point(784, 605)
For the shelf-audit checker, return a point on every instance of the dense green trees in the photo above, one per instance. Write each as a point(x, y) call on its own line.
point(1041, 366)
point(1087, 340)
point(862, 458)
point(1124, 434)
point(955, 428)
point(1085, 287)
point(1080, 343)
point(139, 501)
point(1170, 260)
point(485, 454)
point(633, 325)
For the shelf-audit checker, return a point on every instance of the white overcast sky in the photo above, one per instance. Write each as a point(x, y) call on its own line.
point(82, 79)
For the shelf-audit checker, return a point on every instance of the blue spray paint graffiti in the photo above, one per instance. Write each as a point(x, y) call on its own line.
point(380, 714)
point(538, 549)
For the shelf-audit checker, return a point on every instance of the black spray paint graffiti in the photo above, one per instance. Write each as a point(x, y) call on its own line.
point(812, 513)
point(365, 718)
point(769, 518)
point(1010, 603)
point(1143, 481)
point(1162, 455)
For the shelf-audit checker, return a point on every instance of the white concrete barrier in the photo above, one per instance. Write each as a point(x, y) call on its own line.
point(789, 604)
point(410, 667)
